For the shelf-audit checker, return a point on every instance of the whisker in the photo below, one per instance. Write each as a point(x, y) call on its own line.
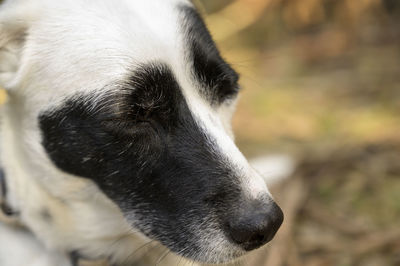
point(128, 233)
point(179, 262)
point(163, 256)
point(157, 245)
point(180, 254)
point(128, 258)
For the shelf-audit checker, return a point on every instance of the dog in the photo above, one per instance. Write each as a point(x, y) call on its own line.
point(117, 135)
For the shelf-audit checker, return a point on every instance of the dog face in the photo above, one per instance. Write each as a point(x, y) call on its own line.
point(135, 97)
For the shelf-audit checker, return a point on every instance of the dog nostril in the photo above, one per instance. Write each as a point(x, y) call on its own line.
point(254, 229)
point(258, 238)
point(240, 235)
point(249, 238)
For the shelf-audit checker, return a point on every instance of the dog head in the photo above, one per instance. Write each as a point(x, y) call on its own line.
point(135, 97)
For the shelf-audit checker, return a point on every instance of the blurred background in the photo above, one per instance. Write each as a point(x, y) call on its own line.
point(321, 82)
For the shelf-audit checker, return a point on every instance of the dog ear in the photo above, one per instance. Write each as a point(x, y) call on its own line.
point(13, 29)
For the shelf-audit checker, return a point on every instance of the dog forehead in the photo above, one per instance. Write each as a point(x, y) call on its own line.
point(120, 19)
point(82, 45)
point(89, 47)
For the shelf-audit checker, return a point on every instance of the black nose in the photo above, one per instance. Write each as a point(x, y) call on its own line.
point(256, 225)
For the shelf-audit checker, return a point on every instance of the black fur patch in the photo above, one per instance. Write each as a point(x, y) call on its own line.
point(74, 258)
point(216, 78)
point(143, 148)
point(3, 194)
point(3, 187)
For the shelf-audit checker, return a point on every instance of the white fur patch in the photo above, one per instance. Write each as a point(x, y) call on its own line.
point(83, 46)
point(19, 247)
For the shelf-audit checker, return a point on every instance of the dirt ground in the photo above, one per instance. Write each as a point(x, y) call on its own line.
point(321, 82)
point(342, 207)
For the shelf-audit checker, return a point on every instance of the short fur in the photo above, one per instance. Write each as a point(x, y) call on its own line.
point(117, 131)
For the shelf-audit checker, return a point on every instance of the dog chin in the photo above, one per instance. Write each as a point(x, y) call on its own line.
point(217, 255)
point(221, 258)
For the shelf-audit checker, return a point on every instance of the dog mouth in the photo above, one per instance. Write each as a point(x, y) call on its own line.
point(215, 255)
point(215, 228)
point(203, 242)
point(221, 258)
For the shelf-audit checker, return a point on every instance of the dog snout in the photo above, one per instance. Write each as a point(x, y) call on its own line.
point(255, 224)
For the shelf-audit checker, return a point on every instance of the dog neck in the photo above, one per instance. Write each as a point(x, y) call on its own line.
point(75, 215)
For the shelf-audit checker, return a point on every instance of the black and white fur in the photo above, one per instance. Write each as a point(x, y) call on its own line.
point(117, 130)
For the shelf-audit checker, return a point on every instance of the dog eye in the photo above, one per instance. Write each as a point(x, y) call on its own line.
point(128, 128)
point(227, 89)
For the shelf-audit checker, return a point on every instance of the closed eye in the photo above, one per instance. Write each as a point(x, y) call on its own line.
point(123, 127)
point(227, 89)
